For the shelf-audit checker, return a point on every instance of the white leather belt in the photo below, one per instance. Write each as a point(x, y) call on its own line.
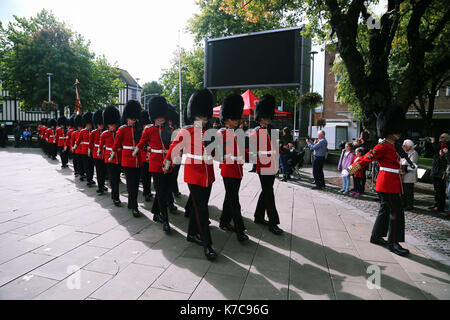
point(157, 150)
point(96, 145)
point(390, 170)
point(63, 137)
point(109, 149)
point(128, 147)
point(266, 152)
point(85, 143)
point(198, 157)
point(236, 158)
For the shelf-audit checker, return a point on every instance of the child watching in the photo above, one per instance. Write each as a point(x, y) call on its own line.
point(345, 161)
point(358, 176)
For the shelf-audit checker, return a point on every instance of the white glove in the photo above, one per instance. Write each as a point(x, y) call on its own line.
point(135, 152)
point(98, 152)
point(89, 152)
point(65, 148)
point(344, 173)
point(411, 169)
point(74, 148)
point(111, 156)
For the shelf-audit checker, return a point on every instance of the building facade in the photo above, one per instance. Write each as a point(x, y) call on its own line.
point(131, 90)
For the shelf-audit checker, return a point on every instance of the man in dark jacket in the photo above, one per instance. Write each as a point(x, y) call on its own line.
point(3, 136)
point(441, 157)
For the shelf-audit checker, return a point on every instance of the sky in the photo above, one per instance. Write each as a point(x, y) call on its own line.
point(140, 36)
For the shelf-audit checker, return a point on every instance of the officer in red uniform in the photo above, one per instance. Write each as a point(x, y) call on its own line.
point(94, 143)
point(77, 158)
point(157, 137)
point(52, 143)
point(391, 218)
point(82, 145)
point(146, 176)
point(232, 159)
point(266, 163)
point(67, 143)
point(61, 138)
point(111, 119)
point(41, 132)
point(126, 139)
point(198, 168)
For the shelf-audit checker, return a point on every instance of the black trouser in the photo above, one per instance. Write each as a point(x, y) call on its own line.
point(266, 201)
point(391, 218)
point(161, 183)
point(408, 195)
point(114, 179)
point(146, 178)
point(88, 166)
point(64, 156)
point(100, 170)
point(53, 150)
point(132, 176)
point(174, 179)
point(439, 193)
point(357, 182)
point(363, 182)
point(317, 167)
point(231, 208)
point(189, 207)
point(78, 162)
point(199, 216)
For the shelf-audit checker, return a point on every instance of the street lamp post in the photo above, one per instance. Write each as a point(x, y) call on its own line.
point(137, 86)
point(49, 86)
point(312, 89)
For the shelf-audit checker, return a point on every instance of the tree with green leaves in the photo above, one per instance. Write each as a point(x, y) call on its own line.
point(31, 48)
point(366, 47)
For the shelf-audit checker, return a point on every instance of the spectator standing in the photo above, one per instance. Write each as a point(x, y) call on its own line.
point(346, 161)
point(447, 178)
point(320, 149)
point(17, 134)
point(363, 142)
point(438, 167)
point(358, 176)
point(409, 176)
point(27, 137)
point(286, 143)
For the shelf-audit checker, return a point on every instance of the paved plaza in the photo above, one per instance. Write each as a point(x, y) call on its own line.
point(60, 240)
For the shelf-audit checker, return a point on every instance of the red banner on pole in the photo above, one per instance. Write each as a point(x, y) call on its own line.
point(77, 98)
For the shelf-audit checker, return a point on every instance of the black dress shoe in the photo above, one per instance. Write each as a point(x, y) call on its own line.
point(177, 194)
point(226, 227)
point(172, 208)
point(275, 230)
point(263, 222)
point(379, 241)
point(117, 203)
point(166, 227)
point(82, 178)
point(196, 239)
point(397, 249)
point(210, 253)
point(158, 218)
point(242, 237)
point(136, 213)
point(105, 189)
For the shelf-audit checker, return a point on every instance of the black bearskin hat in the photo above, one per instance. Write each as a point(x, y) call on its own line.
point(173, 116)
point(87, 118)
point(265, 107)
point(132, 110)
point(144, 118)
point(44, 121)
point(62, 121)
point(97, 118)
point(186, 120)
point(52, 123)
point(232, 107)
point(200, 104)
point(111, 115)
point(390, 120)
point(157, 108)
point(78, 121)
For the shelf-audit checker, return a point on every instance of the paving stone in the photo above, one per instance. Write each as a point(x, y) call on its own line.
point(10, 225)
point(269, 285)
point(15, 249)
point(50, 235)
point(218, 287)
point(25, 287)
point(65, 244)
point(78, 286)
point(159, 294)
point(348, 290)
point(435, 291)
point(130, 283)
point(110, 239)
point(69, 263)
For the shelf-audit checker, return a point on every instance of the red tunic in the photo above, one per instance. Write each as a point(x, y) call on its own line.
point(60, 137)
point(42, 130)
point(358, 173)
point(106, 144)
point(94, 143)
point(267, 157)
point(51, 135)
point(196, 171)
point(231, 168)
point(69, 137)
point(82, 141)
point(152, 137)
point(125, 140)
point(387, 157)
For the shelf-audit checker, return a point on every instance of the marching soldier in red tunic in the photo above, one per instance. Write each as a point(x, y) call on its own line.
point(41, 132)
point(173, 120)
point(232, 165)
point(111, 119)
point(391, 218)
point(67, 143)
point(146, 176)
point(126, 139)
point(157, 136)
point(267, 163)
point(52, 143)
point(94, 143)
point(198, 168)
point(61, 138)
point(77, 155)
point(82, 144)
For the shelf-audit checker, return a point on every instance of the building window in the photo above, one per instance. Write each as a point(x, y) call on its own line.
point(337, 78)
point(133, 94)
point(1, 107)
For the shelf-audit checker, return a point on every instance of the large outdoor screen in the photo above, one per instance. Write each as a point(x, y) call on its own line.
point(262, 59)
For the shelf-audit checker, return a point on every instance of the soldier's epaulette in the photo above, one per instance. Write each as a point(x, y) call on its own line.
point(123, 126)
point(104, 132)
point(148, 126)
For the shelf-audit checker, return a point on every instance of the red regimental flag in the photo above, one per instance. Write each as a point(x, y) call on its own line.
point(77, 99)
